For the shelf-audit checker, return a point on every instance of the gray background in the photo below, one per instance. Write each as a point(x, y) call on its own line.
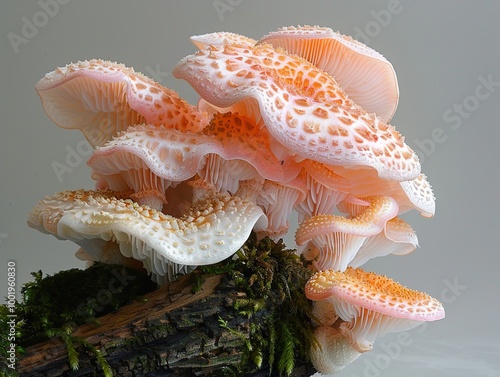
point(441, 52)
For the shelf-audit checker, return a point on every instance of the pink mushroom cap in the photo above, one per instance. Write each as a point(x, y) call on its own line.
point(364, 74)
point(372, 305)
point(101, 98)
point(303, 108)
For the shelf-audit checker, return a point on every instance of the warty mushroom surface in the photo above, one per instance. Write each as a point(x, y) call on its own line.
point(364, 74)
point(214, 228)
point(101, 98)
point(303, 108)
point(371, 305)
point(338, 238)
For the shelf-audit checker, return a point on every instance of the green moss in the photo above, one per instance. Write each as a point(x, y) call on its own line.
point(54, 305)
point(264, 279)
point(271, 280)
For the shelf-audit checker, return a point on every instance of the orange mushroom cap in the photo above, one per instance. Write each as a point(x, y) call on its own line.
point(228, 150)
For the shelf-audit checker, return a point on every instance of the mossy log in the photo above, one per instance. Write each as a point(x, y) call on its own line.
point(199, 325)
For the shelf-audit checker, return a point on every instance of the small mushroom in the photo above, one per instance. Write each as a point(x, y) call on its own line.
point(101, 98)
point(214, 228)
point(338, 238)
point(148, 160)
point(398, 238)
point(371, 305)
point(303, 108)
point(363, 73)
point(323, 313)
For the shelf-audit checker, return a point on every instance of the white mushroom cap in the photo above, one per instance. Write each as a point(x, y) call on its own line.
point(303, 108)
point(220, 38)
point(371, 305)
point(101, 98)
point(214, 228)
point(364, 74)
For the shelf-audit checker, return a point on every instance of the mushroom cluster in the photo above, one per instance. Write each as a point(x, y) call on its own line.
point(297, 121)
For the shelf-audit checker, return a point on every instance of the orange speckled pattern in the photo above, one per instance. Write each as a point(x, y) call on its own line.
point(419, 192)
point(102, 98)
point(209, 232)
point(363, 73)
point(221, 38)
point(370, 221)
point(177, 156)
point(303, 107)
point(374, 292)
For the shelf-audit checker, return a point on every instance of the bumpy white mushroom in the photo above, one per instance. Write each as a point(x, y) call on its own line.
point(214, 228)
point(333, 352)
point(220, 38)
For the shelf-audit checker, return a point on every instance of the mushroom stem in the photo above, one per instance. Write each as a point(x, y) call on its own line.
point(334, 351)
point(151, 198)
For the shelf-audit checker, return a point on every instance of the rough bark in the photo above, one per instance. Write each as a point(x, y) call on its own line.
point(174, 333)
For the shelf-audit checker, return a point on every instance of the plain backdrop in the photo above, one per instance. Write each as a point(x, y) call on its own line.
point(447, 58)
